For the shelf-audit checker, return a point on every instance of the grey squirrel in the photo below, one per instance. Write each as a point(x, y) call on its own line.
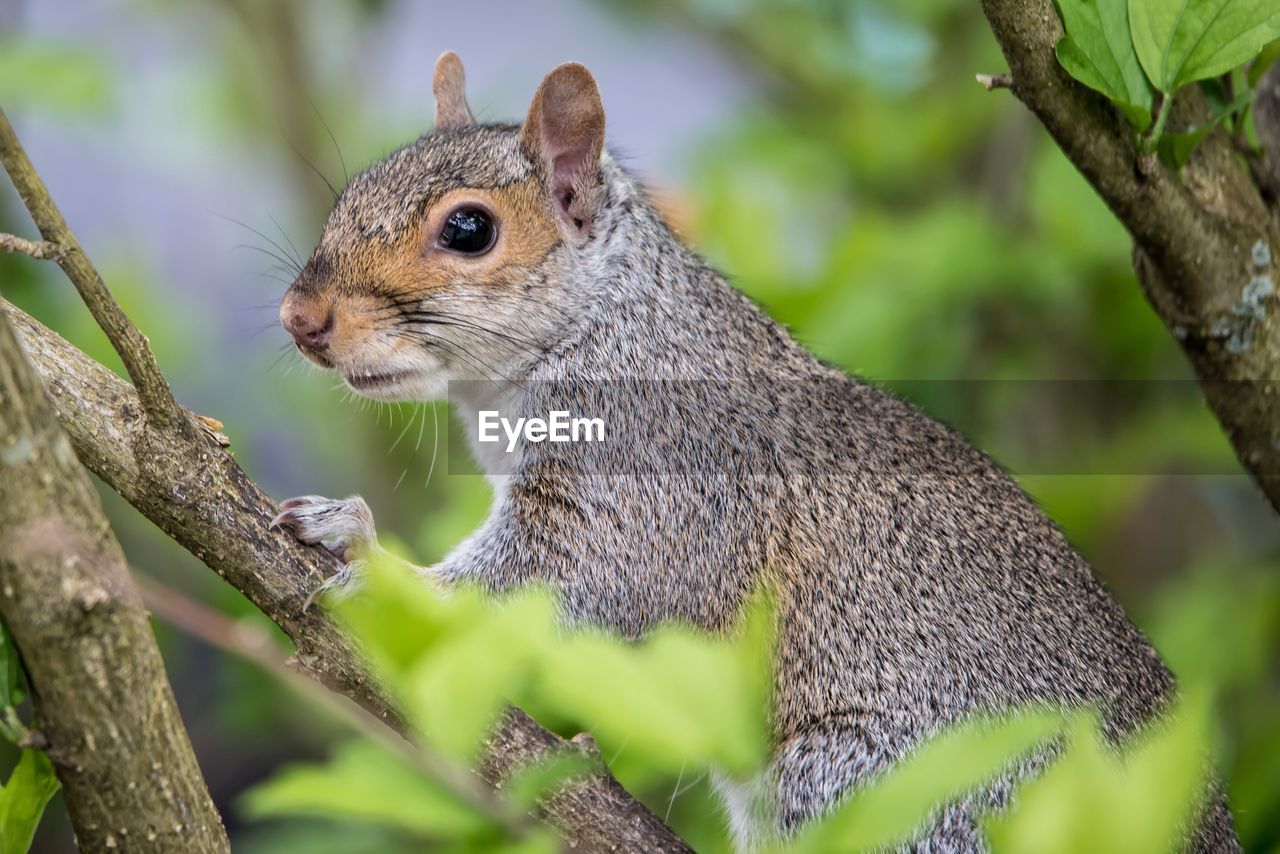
point(915, 583)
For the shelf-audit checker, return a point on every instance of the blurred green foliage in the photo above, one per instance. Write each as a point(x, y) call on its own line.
point(31, 783)
point(905, 223)
point(73, 81)
point(22, 800)
point(1090, 800)
point(680, 702)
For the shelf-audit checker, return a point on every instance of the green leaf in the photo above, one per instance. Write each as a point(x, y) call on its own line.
point(23, 799)
point(677, 697)
point(450, 659)
point(529, 785)
point(1098, 51)
point(1264, 60)
point(363, 781)
point(1180, 41)
point(12, 679)
point(454, 660)
point(1091, 799)
point(458, 687)
point(886, 812)
point(395, 617)
point(1175, 148)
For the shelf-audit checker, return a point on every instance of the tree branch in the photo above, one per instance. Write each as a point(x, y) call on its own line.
point(1205, 241)
point(139, 361)
point(1266, 120)
point(991, 82)
point(100, 696)
point(197, 494)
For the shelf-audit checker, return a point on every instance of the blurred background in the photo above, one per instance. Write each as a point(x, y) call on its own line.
point(834, 157)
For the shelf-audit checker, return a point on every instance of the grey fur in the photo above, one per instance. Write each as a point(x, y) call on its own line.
point(916, 583)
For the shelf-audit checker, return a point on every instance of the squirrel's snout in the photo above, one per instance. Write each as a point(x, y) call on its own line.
point(310, 327)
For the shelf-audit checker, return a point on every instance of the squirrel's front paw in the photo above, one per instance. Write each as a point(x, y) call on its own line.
point(343, 526)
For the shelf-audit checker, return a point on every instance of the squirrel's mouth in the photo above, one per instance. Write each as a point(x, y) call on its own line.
point(365, 381)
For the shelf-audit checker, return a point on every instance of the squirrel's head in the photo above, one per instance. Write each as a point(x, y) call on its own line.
point(442, 261)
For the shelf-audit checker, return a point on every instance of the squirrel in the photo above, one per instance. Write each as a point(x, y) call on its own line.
point(915, 583)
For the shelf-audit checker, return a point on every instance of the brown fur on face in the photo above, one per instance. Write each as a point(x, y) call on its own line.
point(367, 283)
point(525, 234)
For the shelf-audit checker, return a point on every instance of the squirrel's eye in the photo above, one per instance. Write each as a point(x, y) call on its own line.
point(468, 230)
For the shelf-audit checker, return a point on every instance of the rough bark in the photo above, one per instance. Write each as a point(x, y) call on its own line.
point(1205, 240)
point(101, 701)
point(196, 493)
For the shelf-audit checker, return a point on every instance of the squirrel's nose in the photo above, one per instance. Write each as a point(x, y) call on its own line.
point(311, 329)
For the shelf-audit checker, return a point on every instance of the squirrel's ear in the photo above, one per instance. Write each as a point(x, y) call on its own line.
point(449, 85)
point(564, 132)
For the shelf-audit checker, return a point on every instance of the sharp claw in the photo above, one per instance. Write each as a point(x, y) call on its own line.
point(280, 519)
point(311, 597)
point(341, 579)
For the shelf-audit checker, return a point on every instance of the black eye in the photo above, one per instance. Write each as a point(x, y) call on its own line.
point(468, 230)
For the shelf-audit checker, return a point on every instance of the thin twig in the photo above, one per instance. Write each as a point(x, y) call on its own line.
point(41, 250)
point(989, 82)
point(131, 345)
